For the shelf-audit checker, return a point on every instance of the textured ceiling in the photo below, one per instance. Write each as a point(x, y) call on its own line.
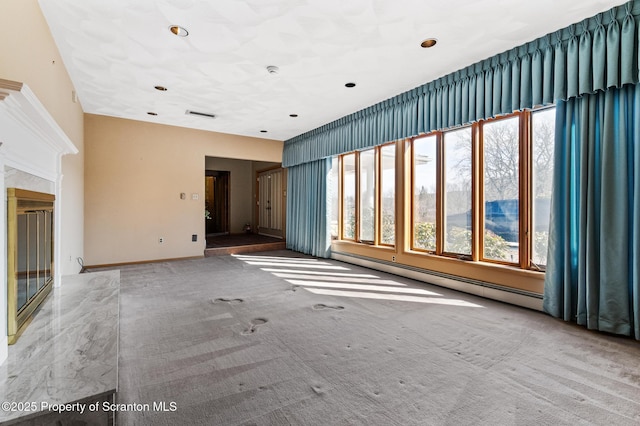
point(116, 51)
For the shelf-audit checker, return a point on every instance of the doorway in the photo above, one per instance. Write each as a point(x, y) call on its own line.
point(217, 202)
point(271, 202)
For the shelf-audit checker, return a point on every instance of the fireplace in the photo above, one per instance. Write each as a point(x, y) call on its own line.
point(29, 255)
point(32, 148)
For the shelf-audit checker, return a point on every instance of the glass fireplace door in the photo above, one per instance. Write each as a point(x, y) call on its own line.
point(29, 255)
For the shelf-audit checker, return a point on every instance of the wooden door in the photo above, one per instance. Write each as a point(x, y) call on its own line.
point(217, 202)
point(271, 202)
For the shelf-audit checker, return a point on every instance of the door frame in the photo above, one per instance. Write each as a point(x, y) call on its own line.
point(284, 198)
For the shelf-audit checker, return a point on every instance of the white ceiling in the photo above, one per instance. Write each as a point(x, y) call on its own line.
point(116, 51)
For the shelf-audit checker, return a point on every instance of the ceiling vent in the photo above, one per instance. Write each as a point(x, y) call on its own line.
point(200, 114)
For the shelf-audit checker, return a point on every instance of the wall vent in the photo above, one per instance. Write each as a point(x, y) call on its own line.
point(200, 114)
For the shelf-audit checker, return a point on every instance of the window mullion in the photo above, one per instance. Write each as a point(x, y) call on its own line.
point(349, 197)
point(377, 182)
point(440, 191)
point(356, 232)
point(411, 194)
point(409, 215)
point(340, 193)
point(525, 189)
point(477, 183)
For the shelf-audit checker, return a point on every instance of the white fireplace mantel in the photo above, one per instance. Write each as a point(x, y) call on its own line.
point(32, 142)
point(31, 139)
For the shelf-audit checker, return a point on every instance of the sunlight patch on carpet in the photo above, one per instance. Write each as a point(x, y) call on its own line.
point(394, 297)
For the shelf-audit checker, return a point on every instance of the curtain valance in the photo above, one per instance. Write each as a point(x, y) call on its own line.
point(596, 54)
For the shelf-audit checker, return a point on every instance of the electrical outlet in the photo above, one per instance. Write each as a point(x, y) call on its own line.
point(393, 258)
point(194, 237)
point(160, 240)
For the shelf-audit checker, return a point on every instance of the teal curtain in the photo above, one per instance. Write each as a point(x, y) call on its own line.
point(596, 54)
point(593, 267)
point(307, 226)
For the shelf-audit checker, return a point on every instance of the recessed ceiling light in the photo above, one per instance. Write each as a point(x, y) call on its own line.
point(263, 131)
point(293, 115)
point(179, 31)
point(152, 113)
point(160, 88)
point(350, 85)
point(430, 42)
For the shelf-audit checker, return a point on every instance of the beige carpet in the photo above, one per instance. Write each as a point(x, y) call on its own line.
point(265, 340)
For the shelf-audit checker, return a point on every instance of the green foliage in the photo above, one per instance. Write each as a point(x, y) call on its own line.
point(424, 236)
point(540, 244)
point(459, 241)
point(388, 234)
point(349, 230)
point(495, 247)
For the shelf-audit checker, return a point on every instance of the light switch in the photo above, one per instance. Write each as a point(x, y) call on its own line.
point(194, 196)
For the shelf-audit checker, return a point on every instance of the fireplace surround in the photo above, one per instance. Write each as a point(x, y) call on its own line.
point(32, 146)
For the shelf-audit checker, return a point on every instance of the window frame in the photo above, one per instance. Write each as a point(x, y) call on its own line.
point(359, 198)
point(379, 194)
point(530, 264)
point(341, 213)
point(338, 176)
point(522, 191)
point(405, 200)
point(412, 201)
point(478, 204)
point(377, 151)
point(442, 188)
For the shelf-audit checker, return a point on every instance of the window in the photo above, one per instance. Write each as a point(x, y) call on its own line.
point(369, 195)
point(388, 194)
point(458, 191)
point(501, 189)
point(349, 196)
point(480, 192)
point(424, 192)
point(542, 129)
point(334, 198)
point(367, 191)
point(477, 189)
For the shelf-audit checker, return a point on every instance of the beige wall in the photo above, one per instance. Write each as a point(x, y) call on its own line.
point(29, 55)
point(134, 174)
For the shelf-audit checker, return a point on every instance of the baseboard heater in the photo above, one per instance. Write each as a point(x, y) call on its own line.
point(479, 288)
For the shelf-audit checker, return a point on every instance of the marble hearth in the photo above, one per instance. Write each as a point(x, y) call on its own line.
point(69, 353)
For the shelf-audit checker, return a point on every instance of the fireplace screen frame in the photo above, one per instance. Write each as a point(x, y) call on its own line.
point(30, 242)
